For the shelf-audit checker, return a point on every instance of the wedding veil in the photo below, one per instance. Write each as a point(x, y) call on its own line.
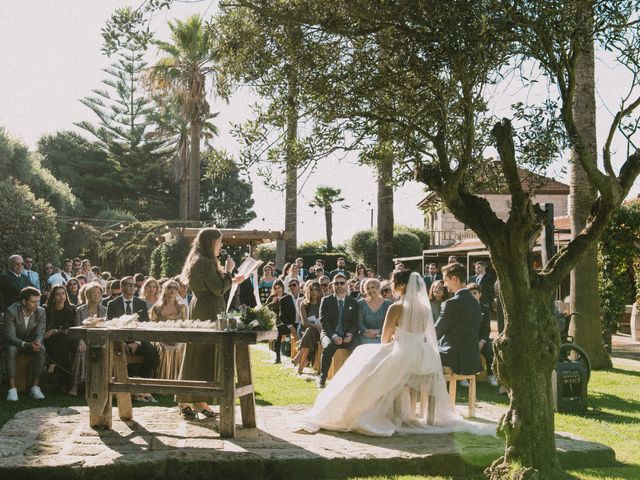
point(417, 316)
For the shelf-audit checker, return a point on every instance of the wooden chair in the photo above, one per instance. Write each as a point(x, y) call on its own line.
point(338, 360)
point(317, 361)
point(482, 376)
point(23, 372)
point(453, 378)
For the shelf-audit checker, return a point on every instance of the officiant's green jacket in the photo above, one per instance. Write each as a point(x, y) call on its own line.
point(204, 361)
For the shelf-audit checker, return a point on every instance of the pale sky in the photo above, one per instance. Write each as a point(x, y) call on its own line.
point(51, 58)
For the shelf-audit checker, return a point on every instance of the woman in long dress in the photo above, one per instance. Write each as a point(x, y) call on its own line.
point(375, 390)
point(208, 281)
point(169, 308)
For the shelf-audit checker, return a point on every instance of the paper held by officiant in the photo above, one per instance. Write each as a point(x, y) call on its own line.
point(248, 268)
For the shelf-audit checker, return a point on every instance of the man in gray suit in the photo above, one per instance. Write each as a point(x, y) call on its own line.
point(25, 322)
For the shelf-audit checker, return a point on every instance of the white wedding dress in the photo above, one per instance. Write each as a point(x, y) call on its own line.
point(371, 393)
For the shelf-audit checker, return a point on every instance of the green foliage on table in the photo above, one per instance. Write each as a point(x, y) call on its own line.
point(618, 256)
point(265, 317)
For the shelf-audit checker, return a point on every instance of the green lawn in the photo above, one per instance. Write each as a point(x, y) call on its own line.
point(613, 417)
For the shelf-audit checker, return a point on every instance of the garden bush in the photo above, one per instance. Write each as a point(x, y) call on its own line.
point(407, 242)
point(28, 225)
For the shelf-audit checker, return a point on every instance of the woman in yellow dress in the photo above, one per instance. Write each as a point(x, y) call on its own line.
point(169, 308)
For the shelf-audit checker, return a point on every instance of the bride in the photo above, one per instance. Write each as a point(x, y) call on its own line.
point(376, 390)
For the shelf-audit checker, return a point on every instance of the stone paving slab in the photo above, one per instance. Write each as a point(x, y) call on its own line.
point(57, 443)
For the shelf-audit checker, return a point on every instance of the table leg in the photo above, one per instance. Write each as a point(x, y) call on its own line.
point(98, 377)
point(227, 408)
point(247, 401)
point(125, 408)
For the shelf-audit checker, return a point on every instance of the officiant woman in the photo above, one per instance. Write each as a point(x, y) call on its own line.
point(208, 281)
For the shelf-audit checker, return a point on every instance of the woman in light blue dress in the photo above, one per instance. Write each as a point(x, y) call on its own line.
point(373, 309)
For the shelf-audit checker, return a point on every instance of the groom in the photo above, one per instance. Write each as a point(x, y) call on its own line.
point(339, 314)
point(458, 324)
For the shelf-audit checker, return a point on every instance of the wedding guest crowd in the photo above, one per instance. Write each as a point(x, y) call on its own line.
point(322, 310)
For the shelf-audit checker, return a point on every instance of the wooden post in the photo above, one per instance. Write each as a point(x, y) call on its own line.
point(227, 400)
point(125, 408)
point(98, 376)
point(247, 401)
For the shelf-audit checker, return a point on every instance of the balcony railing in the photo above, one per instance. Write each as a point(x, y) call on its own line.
point(444, 238)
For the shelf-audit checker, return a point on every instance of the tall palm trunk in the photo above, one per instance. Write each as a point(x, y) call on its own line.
point(328, 219)
point(385, 211)
point(586, 328)
point(183, 198)
point(291, 189)
point(194, 171)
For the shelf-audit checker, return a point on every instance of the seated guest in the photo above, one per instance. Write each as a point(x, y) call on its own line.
point(115, 291)
point(361, 272)
point(339, 315)
point(90, 299)
point(285, 271)
point(283, 306)
point(293, 275)
point(86, 270)
point(46, 273)
point(24, 323)
point(340, 269)
point(437, 295)
point(310, 316)
point(326, 285)
point(139, 279)
point(431, 275)
point(485, 331)
point(458, 324)
point(61, 315)
point(82, 280)
point(67, 271)
point(150, 291)
point(128, 304)
point(313, 271)
point(12, 281)
point(56, 278)
point(169, 308)
point(371, 273)
point(73, 290)
point(184, 297)
point(302, 272)
point(373, 309)
point(32, 275)
point(265, 283)
point(386, 291)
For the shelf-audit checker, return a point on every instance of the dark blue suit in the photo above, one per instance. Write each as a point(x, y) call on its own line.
point(457, 329)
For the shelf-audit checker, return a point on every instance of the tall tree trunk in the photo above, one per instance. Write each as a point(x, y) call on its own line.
point(291, 190)
point(385, 211)
point(194, 171)
point(183, 198)
point(586, 328)
point(328, 218)
point(526, 354)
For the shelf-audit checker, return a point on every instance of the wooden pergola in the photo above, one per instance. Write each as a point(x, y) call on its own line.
point(232, 236)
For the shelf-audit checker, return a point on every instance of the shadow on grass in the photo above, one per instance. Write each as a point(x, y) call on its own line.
point(620, 371)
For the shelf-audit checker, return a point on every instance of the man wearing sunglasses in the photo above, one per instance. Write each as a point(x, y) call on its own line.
point(339, 315)
point(128, 304)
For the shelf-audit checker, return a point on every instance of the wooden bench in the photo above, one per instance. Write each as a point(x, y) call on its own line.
point(453, 378)
point(23, 372)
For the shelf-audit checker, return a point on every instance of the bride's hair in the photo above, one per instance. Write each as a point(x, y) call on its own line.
point(400, 276)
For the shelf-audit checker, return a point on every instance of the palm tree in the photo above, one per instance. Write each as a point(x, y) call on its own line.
point(586, 328)
point(182, 74)
point(326, 197)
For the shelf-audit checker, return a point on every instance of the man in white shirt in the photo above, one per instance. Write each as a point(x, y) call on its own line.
point(25, 323)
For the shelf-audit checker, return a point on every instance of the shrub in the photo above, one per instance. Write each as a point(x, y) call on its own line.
point(267, 251)
point(312, 248)
point(81, 241)
point(28, 225)
point(168, 258)
point(127, 250)
point(407, 242)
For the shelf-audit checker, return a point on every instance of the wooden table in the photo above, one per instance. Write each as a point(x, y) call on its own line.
point(107, 372)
